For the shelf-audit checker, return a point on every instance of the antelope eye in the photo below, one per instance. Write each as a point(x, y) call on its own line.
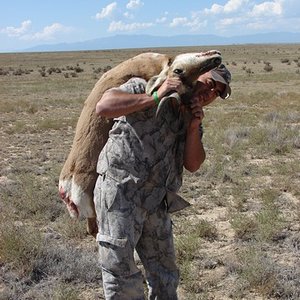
point(178, 71)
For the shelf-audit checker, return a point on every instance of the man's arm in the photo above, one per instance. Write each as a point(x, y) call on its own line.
point(115, 102)
point(194, 153)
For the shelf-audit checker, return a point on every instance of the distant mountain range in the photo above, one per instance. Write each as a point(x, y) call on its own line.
point(144, 41)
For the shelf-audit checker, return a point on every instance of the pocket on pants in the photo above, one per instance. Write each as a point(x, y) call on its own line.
point(119, 242)
point(116, 255)
point(104, 196)
point(104, 193)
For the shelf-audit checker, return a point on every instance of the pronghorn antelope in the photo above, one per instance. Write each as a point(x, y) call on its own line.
point(78, 176)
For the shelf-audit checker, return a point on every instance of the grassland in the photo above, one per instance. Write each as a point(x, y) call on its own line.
point(240, 239)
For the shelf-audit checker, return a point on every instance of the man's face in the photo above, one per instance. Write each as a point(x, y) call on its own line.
point(207, 89)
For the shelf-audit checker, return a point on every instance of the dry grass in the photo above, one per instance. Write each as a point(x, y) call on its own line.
point(239, 239)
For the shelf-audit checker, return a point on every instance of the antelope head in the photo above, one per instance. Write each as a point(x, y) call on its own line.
point(188, 67)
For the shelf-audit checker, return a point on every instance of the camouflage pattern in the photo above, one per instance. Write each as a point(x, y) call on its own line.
point(140, 172)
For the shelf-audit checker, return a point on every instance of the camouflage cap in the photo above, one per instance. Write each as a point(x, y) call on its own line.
point(222, 74)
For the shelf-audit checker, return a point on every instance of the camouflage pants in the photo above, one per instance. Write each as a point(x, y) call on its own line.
point(125, 226)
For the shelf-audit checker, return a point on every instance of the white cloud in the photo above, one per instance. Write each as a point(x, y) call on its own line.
point(221, 24)
point(120, 26)
point(234, 5)
point(215, 9)
point(178, 21)
point(17, 31)
point(133, 4)
point(193, 23)
point(229, 7)
point(128, 15)
point(161, 20)
point(260, 25)
point(226, 22)
point(267, 8)
point(48, 32)
point(248, 16)
point(106, 11)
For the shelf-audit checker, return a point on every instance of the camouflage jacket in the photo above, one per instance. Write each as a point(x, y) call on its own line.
point(147, 152)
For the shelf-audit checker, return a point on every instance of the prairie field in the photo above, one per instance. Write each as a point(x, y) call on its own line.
point(240, 238)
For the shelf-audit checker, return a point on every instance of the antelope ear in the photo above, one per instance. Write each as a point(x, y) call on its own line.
point(163, 102)
point(156, 81)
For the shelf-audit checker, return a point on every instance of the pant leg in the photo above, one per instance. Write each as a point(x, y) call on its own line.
point(156, 251)
point(120, 225)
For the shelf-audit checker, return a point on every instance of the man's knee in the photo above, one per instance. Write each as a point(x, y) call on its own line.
point(116, 258)
point(123, 287)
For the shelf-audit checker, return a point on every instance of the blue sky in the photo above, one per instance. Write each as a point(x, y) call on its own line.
point(26, 23)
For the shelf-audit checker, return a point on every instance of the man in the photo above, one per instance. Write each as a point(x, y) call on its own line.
point(140, 172)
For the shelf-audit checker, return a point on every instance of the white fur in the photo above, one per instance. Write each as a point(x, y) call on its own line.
point(83, 202)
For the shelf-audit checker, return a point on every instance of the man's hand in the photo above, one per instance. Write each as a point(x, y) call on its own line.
point(170, 84)
point(197, 113)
